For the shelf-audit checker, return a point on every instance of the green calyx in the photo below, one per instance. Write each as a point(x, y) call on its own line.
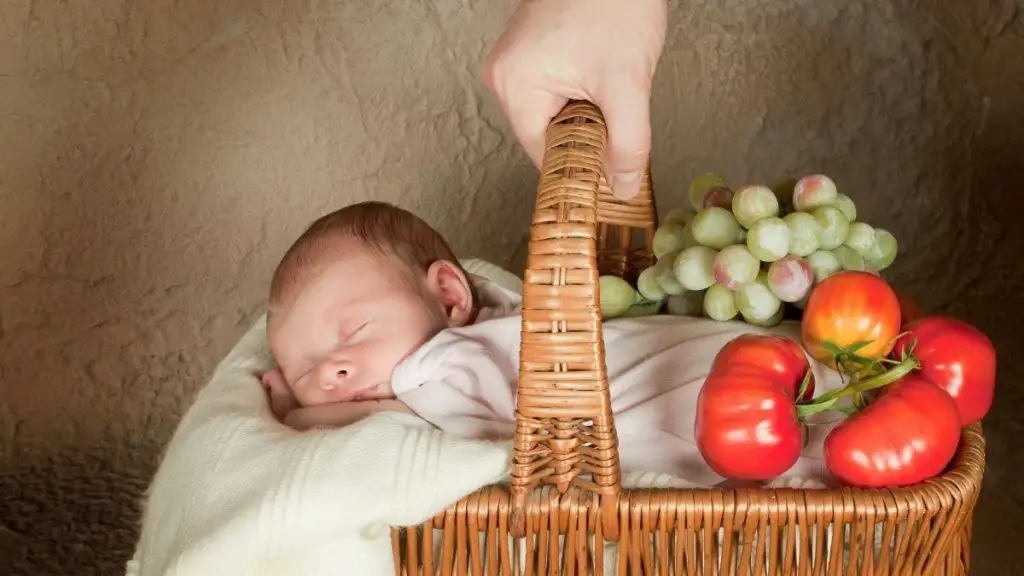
point(865, 375)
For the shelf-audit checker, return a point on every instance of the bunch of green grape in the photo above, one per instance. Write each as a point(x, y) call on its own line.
point(750, 252)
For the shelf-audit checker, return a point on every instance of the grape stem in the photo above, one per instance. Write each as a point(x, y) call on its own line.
point(857, 387)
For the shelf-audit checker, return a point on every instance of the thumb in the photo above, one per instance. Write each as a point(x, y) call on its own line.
point(627, 110)
point(530, 118)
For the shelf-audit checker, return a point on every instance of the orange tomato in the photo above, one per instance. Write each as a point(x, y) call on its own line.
point(847, 309)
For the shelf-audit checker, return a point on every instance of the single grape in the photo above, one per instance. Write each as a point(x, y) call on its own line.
point(752, 203)
point(680, 215)
point(846, 206)
point(783, 190)
point(665, 277)
point(834, 226)
point(755, 301)
point(668, 238)
point(688, 239)
point(861, 238)
point(768, 239)
point(647, 285)
point(804, 233)
point(700, 185)
point(883, 252)
point(850, 259)
point(694, 267)
point(720, 303)
point(735, 266)
point(824, 264)
point(643, 309)
point(813, 191)
point(689, 303)
point(790, 278)
point(715, 227)
point(720, 196)
point(616, 296)
point(773, 320)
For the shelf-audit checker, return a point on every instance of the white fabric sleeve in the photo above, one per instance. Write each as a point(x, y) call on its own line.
point(235, 487)
point(461, 386)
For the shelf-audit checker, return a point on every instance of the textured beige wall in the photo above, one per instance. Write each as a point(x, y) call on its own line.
point(156, 158)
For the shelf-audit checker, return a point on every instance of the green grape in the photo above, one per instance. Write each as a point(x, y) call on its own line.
point(720, 303)
point(824, 264)
point(846, 206)
point(643, 309)
point(861, 238)
point(783, 190)
point(752, 203)
point(665, 277)
point(715, 227)
point(834, 226)
point(694, 267)
point(790, 278)
point(804, 233)
point(689, 303)
point(720, 196)
point(813, 191)
point(668, 238)
point(755, 301)
point(850, 259)
point(735, 266)
point(680, 215)
point(700, 185)
point(773, 320)
point(883, 252)
point(616, 296)
point(647, 285)
point(768, 239)
point(688, 239)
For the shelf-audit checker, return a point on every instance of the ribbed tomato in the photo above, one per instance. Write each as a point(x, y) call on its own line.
point(768, 356)
point(958, 358)
point(906, 435)
point(847, 309)
point(746, 425)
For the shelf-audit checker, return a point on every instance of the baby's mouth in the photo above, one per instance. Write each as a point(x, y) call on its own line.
point(363, 394)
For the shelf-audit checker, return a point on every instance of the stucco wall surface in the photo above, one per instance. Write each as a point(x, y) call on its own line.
point(156, 159)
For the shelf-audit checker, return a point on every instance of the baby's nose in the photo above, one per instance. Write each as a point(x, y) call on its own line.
point(336, 375)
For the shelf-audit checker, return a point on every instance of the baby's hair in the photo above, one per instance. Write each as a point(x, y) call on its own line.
point(387, 230)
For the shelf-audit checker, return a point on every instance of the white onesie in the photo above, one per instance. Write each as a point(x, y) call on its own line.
point(463, 381)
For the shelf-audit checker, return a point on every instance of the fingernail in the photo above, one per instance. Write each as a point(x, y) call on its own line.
point(626, 186)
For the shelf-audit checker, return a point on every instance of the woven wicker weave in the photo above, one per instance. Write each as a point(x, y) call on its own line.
point(565, 501)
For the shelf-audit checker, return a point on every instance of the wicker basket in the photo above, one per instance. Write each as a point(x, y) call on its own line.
point(565, 438)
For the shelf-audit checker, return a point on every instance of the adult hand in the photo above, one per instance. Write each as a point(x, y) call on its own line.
point(604, 51)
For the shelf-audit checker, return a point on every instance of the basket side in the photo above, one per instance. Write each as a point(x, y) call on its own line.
point(565, 435)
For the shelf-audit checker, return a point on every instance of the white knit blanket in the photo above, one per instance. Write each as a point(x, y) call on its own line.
point(238, 493)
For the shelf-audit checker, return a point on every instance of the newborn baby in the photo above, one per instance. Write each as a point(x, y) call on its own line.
point(356, 294)
point(369, 310)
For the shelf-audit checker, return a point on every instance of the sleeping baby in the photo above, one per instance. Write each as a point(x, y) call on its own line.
point(369, 310)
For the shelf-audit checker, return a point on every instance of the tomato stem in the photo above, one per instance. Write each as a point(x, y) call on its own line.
point(857, 387)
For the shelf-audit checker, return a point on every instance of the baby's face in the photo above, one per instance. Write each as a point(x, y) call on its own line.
point(344, 333)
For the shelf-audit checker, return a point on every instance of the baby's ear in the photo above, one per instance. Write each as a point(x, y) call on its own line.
point(451, 286)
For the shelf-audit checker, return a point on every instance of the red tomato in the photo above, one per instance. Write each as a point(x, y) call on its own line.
point(907, 435)
point(746, 425)
point(957, 357)
point(847, 308)
point(771, 356)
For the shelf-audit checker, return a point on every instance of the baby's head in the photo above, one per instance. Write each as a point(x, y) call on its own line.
point(360, 290)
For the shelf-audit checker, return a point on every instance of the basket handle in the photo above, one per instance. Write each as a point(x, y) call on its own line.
point(564, 427)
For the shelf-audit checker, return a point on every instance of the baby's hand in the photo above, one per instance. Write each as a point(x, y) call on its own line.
point(282, 401)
